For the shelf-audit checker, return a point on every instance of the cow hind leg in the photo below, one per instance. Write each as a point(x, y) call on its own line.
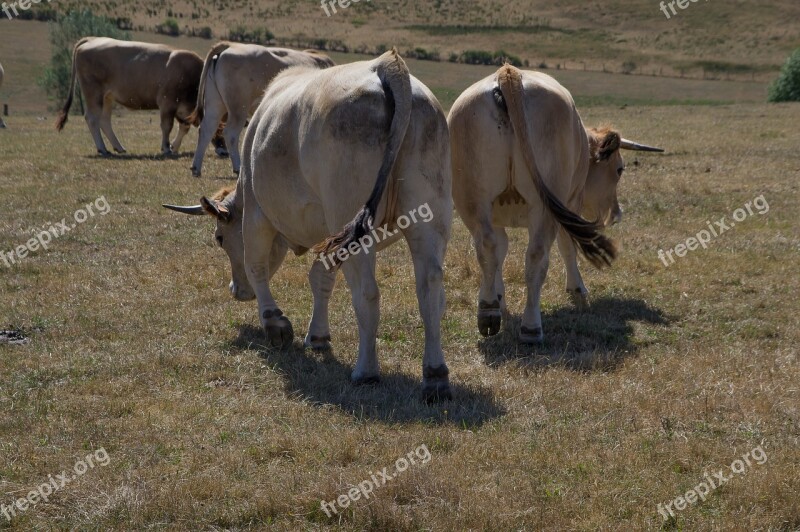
point(427, 242)
point(322, 281)
point(575, 287)
point(105, 125)
point(183, 129)
point(167, 122)
point(261, 258)
point(359, 271)
point(542, 232)
point(231, 133)
point(491, 248)
point(93, 117)
point(208, 132)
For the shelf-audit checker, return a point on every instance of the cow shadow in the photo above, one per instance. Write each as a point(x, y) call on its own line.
point(127, 156)
point(319, 378)
point(599, 339)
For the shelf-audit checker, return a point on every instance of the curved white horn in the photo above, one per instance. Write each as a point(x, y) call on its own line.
point(626, 144)
point(195, 210)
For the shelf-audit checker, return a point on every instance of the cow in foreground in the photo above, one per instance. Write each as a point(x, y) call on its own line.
point(523, 158)
point(138, 76)
point(310, 157)
point(232, 83)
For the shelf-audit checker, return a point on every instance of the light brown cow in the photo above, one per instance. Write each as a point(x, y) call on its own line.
point(523, 158)
point(233, 81)
point(138, 76)
point(2, 124)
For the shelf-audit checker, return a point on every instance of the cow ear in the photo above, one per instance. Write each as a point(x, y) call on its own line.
point(607, 145)
point(217, 210)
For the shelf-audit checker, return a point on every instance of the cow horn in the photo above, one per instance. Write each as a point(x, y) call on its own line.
point(626, 144)
point(195, 210)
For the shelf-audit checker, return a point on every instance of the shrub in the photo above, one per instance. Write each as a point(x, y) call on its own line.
point(169, 27)
point(628, 67)
point(786, 88)
point(205, 33)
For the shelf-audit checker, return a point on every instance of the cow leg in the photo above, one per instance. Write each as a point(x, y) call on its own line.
point(231, 133)
point(427, 243)
point(183, 129)
point(259, 239)
point(359, 271)
point(322, 281)
point(575, 287)
point(167, 122)
point(542, 232)
point(94, 114)
point(489, 250)
point(105, 124)
point(501, 253)
point(208, 131)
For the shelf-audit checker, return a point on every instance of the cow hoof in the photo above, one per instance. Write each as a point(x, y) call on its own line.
point(279, 331)
point(533, 336)
point(103, 153)
point(489, 318)
point(318, 343)
point(366, 380)
point(120, 150)
point(436, 384)
point(195, 172)
point(236, 172)
point(222, 154)
point(579, 299)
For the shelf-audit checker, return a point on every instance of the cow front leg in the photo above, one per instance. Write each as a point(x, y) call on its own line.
point(489, 250)
point(231, 133)
point(259, 238)
point(322, 281)
point(105, 125)
point(167, 120)
point(541, 232)
point(575, 287)
point(94, 113)
point(183, 129)
point(359, 271)
point(427, 242)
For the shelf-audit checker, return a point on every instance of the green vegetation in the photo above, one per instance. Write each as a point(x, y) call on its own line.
point(256, 35)
point(169, 27)
point(787, 87)
point(63, 35)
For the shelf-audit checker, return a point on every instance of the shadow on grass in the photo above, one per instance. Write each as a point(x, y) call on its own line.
point(127, 156)
point(322, 379)
point(598, 339)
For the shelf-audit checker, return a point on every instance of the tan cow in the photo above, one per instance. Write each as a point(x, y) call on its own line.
point(523, 158)
point(2, 124)
point(233, 81)
point(311, 156)
point(138, 76)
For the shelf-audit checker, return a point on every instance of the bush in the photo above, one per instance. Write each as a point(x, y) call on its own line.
point(169, 27)
point(628, 67)
point(64, 33)
point(787, 87)
point(205, 32)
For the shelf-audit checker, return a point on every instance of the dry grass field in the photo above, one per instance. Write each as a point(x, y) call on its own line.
point(136, 347)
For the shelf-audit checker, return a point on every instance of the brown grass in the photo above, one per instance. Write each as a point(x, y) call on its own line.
point(137, 347)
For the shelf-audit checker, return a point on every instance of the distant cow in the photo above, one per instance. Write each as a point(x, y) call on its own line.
point(522, 158)
point(311, 156)
point(2, 124)
point(138, 76)
point(233, 81)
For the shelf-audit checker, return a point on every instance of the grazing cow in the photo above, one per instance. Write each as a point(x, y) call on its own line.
point(311, 154)
point(522, 158)
point(138, 76)
point(2, 124)
point(233, 81)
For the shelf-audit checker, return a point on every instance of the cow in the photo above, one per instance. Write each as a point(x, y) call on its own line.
point(523, 158)
point(2, 124)
point(310, 157)
point(233, 81)
point(138, 76)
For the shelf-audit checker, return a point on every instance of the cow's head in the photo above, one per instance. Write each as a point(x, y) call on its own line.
point(226, 207)
point(605, 170)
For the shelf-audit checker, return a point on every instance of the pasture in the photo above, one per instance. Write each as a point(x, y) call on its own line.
point(136, 346)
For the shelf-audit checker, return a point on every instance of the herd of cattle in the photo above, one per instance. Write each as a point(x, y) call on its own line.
point(321, 138)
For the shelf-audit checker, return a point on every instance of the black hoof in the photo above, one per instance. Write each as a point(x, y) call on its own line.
point(489, 318)
point(365, 381)
point(436, 384)
point(318, 343)
point(533, 336)
point(279, 331)
point(195, 172)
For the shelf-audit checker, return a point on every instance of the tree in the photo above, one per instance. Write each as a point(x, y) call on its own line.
point(63, 35)
point(787, 87)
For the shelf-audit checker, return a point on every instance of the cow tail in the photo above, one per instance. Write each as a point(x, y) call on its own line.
point(63, 115)
point(597, 248)
point(197, 114)
point(396, 80)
